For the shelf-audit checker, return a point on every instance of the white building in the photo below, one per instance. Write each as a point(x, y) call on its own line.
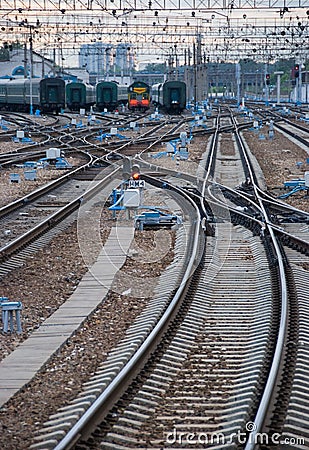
point(106, 61)
point(19, 62)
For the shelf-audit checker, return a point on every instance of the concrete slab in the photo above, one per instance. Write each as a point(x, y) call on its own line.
point(20, 366)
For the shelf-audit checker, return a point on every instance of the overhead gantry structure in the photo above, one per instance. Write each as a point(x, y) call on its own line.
point(160, 29)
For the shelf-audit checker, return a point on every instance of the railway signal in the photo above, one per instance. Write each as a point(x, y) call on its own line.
point(136, 176)
point(296, 70)
point(267, 79)
point(135, 172)
point(135, 179)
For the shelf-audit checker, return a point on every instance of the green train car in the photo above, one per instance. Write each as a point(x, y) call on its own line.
point(52, 94)
point(109, 95)
point(23, 94)
point(79, 95)
point(170, 96)
point(19, 95)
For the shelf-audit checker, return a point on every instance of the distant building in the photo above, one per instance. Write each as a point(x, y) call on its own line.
point(149, 78)
point(105, 61)
point(300, 92)
point(19, 64)
point(96, 58)
point(124, 60)
point(78, 74)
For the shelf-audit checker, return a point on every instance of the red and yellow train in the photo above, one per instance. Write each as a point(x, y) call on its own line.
point(139, 96)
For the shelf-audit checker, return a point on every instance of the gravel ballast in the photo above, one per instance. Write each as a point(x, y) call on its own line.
point(63, 266)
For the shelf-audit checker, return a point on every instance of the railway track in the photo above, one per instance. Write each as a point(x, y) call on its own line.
point(68, 200)
point(60, 133)
point(55, 195)
point(293, 407)
point(177, 375)
point(187, 391)
point(294, 130)
point(141, 339)
point(207, 379)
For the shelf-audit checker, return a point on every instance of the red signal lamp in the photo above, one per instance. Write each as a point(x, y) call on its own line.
point(136, 176)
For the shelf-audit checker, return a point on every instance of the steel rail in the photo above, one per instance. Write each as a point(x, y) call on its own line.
point(279, 348)
point(291, 240)
point(139, 141)
point(4, 210)
point(283, 325)
point(105, 401)
point(263, 407)
point(287, 131)
point(275, 203)
point(49, 222)
point(292, 134)
point(277, 358)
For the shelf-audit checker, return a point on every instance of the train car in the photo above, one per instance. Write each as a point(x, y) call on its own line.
point(3, 93)
point(19, 95)
point(122, 95)
point(109, 95)
point(139, 96)
point(52, 94)
point(79, 95)
point(27, 95)
point(170, 96)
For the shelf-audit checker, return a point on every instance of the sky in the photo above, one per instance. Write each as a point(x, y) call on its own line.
point(157, 34)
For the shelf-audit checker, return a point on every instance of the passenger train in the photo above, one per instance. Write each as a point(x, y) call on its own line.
point(46, 94)
point(54, 95)
point(79, 95)
point(170, 96)
point(109, 95)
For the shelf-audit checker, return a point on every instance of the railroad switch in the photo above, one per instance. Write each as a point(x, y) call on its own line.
point(296, 186)
point(156, 218)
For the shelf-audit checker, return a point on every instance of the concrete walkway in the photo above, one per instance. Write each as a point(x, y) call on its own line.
point(22, 364)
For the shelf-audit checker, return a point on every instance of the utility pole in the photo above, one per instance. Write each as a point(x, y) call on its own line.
point(195, 75)
point(238, 70)
point(25, 60)
point(206, 76)
point(278, 85)
point(176, 62)
point(31, 70)
point(199, 66)
point(266, 85)
point(300, 85)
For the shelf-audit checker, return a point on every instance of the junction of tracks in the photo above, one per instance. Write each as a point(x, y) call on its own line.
point(190, 336)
